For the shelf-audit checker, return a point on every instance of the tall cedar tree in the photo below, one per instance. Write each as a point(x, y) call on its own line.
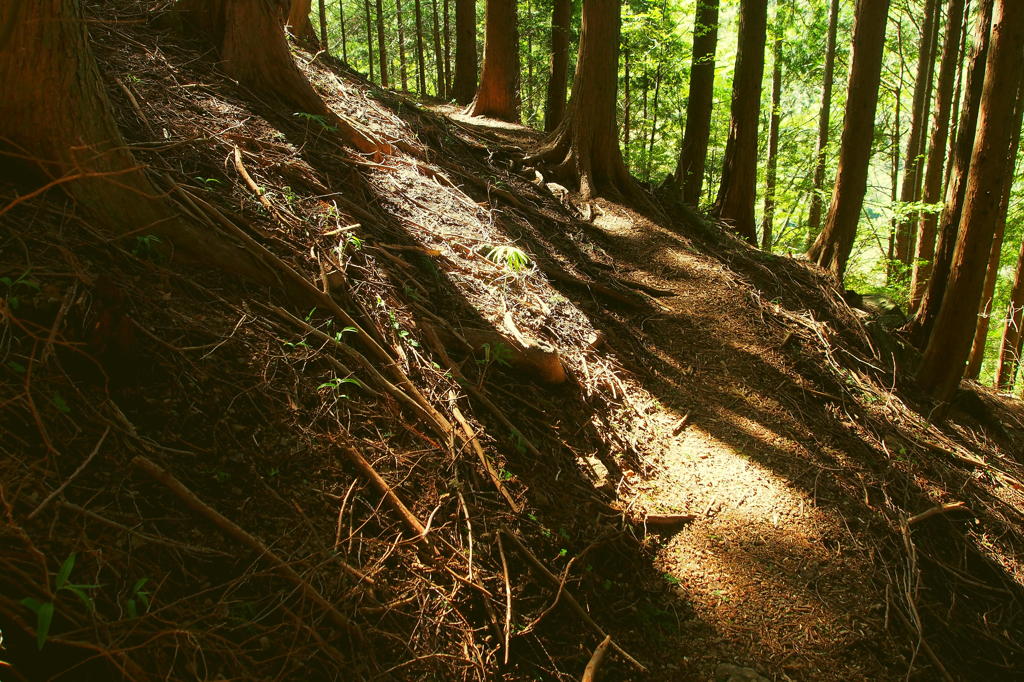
point(498, 94)
point(322, 15)
point(1013, 333)
point(736, 195)
point(824, 122)
point(977, 355)
point(937, 151)
point(464, 86)
point(382, 46)
point(403, 66)
point(689, 175)
point(773, 144)
point(438, 53)
point(910, 189)
point(298, 21)
point(832, 248)
point(558, 78)
point(56, 111)
point(942, 365)
point(369, 35)
point(421, 62)
point(920, 327)
point(584, 149)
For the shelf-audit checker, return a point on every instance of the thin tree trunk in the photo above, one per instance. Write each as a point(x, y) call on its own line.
point(977, 355)
point(369, 36)
point(403, 68)
point(693, 153)
point(824, 118)
point(465, 51)
point(421, 62)
point(936, 152)
point(447, 49)
point(322, 12)
point(832, 248)
point(1013, 332)
point(954, 123)
point(654, 125)
point(627, 110)
point(942, 365)
point(773, 146)
point(738, 189)
point(344, 40)
point(438, 53)
point(558, 80)
point(498, 94)
point(382, 46)
point(920, 327)
point(910, 190)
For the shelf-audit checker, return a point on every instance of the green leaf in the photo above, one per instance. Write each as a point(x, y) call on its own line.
point(65, 570)
point(59, 402)
point(44, 618)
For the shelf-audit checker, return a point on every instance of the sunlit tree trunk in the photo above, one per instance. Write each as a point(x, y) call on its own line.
point(382, 46)
point(942, 365)
point(936, 152)
point(447, 49)
point(910, 188)
point(584, 148)
point(689, 174)
point(464, 86)
point(824, 120)
point(1013, 332)
point(369, 36)
point(438, 53)
point(322, 13)
point(832, 247)
point(403, 68)
point(773, 146)
point(498, 93)
point(558, 80)
point(421, 62)
point(344, 39)
point(920, 327)
point(736, 195)
point(298, 21)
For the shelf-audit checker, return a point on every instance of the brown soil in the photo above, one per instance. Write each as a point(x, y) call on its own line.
point(706, 378)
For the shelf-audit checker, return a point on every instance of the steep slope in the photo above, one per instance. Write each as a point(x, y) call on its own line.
point(204, 478)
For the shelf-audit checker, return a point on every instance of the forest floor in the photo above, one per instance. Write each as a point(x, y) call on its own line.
point(736, 471)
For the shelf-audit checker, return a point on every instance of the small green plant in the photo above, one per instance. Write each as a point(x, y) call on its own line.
point(138, 597)
point(512, 257)
point(146, 246)
point(14, 286)
point(61, 404)
point(671, 579)
point(518, 442)
point(208, 183)
point(45, 610)
point(336, 383)
point(319, 119)
point(498, 352)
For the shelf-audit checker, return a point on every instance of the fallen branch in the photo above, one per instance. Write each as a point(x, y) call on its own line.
point(590, 672)
point(234, 531)
point(73, 476)
point(935, 511)
point(491, 473)
point(569, 599)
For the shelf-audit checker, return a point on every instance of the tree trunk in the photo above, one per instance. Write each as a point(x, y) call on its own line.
point(465, 51)
point(951, 146)
point(773, 146)
point(558, 80)
point(977, 355)
point(447, 49)
point(936, 152)
point(942, 365)
point(56, 111)
point(910, 190)
point(1013, 333)
point(344, 40)
point(322, 13)
point(382, 46)
point(421, 62)
point(403, 68)
point(298, 21)
point(824, 118)
point(654, 125)
point(498, 94)
point(689, 175)
point(736, 195)
point(832, 247)
point(369, 36)
point(584, 148)
point(920, 327)
point(627, 109)
point(438, 53)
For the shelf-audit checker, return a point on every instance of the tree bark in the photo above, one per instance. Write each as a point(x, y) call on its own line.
point(382, 46)
point(421, 62)
point(344, 39)
point(558, 80)
point(1013, 332)
point(403, 68)
point(447, 49)
point(464, 86)
point(322, 13)
point(942, 365)
point(584, 148)
point(773, 146)
point(977, 355)
point(920, 327)
point(298, 21)
point(910, 189)
point(438, 53)
point(832, 248)
point(689, 175)
point(936, 152)
point(736, 195)
point(824, 119)
point(498, 94)
point(369, 36)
